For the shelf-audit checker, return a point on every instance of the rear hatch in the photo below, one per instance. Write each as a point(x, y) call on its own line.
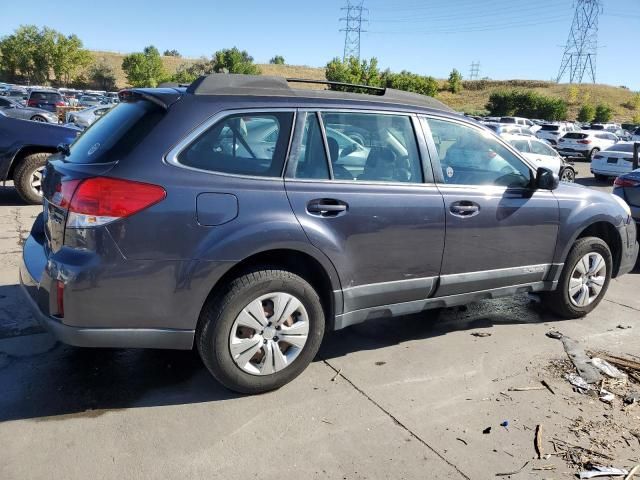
point(74, 181)
point(574, 141)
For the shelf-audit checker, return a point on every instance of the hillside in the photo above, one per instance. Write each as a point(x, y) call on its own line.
point(472, 99)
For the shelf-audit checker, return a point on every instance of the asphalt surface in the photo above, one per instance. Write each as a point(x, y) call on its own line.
point(394, 398)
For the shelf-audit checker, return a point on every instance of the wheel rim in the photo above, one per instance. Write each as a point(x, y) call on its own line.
point(269, 334)
point(567, 176)
point(587, 279)
point(35, 181)
point(38, 119)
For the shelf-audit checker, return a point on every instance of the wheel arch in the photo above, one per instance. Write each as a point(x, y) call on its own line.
point(24, 152)
point(318, 271)
point(607, 232)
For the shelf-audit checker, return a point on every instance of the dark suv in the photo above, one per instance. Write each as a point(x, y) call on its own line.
point(45, 99)
point(248, 218)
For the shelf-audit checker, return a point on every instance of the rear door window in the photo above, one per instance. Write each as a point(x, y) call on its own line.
point(115, 133)
point(540, 148)
point(243, 144)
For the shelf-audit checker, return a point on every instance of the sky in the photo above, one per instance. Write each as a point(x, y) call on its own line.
point(521, 39)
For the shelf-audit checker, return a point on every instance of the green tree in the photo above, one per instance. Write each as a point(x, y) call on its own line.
point(572, 94)
point(232, 60)
point(411, 82)
point(68, 58)
point(586, 113)
point(172, 53)
point(144, 69)
point(603, 113)
point(277, 60)
point(365, 72)
point(102, 76)
point(187, 73)
point(526, 104)
point(455, 81)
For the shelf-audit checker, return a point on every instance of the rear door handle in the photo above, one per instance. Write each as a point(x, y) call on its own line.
point(464, 208)
point(326, 207)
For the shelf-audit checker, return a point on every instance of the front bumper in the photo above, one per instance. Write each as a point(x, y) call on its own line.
point(39, 290)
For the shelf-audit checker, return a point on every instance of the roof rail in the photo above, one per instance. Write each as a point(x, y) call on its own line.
point(378, 90)
point(218, 83)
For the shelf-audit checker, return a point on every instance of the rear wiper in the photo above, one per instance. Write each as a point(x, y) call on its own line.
point(64, 149)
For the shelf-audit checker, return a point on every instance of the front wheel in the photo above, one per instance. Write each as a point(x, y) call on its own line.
point(261, 331)
point(584, 280)
point(27, 177)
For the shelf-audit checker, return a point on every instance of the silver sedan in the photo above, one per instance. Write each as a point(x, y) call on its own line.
point(16, 110)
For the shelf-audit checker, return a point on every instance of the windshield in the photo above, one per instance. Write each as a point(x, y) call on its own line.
point(621, 147)
point(116, 133)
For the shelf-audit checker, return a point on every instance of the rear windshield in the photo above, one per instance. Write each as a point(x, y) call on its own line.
point(507, 120)
point(551, 128)
point(621, 147)
point(597, 127)
point(49, 97)
point(116, 133)
point(576, 135)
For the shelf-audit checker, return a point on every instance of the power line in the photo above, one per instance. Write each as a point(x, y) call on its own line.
point(580, 52)
point(474, 72)
point(353, 28)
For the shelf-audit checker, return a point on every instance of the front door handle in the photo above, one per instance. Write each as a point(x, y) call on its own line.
point(326, 207)
point(464, 209)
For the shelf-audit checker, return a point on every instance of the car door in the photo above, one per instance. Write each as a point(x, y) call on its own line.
point(377, 215)
point(500, 232)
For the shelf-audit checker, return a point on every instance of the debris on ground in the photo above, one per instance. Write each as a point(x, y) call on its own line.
point(632, 398)
point(581, 360)
point(554, 334)
point(380, 363)
point(577, 381)
point(333, 379)
point(507, 474)
point(547, 386)
point(526, 389)
point(633, 471)
point(487, 431)
point(624, 327)
point(481, 334)
point(505, 424)
point(629, 366)
point(598, 471)
point(606, 368)
point(606, 397)
point(538, 441)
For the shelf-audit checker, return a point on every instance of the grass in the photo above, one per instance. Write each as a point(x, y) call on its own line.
point(472, 99)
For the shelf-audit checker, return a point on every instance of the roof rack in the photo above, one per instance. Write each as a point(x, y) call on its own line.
point(265, 85)
point(380, 90)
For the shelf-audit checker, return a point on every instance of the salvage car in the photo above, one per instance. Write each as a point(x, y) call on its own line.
point(165, 226)
point(24, 149)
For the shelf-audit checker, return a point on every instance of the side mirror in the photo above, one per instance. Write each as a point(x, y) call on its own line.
point(546, 179)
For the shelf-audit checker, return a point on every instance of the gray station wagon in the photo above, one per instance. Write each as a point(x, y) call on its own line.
point(248, 217)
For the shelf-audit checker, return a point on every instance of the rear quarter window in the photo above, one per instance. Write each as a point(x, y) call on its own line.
point(116, 133)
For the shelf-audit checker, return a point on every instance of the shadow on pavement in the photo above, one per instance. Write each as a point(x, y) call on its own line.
point(57, 380)
point(592, 182)
point(9, 197)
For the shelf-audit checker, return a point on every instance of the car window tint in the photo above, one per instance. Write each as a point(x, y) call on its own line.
point(244, 144)
point(472, 157)
point(542, 149)
point(372, 147)
point(520, 145)
point(4, 102)
point(312, 157)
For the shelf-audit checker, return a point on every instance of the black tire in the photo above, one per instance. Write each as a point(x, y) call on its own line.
point(593, 153)
point(23, 173)
point(220, 312)
point(568, 175)
point(38, 118)
point(559, 301)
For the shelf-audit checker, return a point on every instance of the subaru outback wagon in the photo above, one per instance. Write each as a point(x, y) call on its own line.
point(248, 217)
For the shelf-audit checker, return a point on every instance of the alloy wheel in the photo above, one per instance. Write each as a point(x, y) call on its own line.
point(35, 181)
point(269, 333)
point(587, 279)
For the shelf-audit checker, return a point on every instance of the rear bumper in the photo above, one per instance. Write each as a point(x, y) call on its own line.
point(36, 283)
point(630, 247)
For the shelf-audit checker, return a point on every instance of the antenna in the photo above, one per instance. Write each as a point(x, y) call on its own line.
point(353, 28)
point(474, 72)
point(582, 45)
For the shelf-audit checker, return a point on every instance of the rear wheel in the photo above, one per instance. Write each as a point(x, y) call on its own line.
point(38, 118)
point(261, 331)
point(593, 153)
point(584, 280)
point(27, 177)
point(568, 175)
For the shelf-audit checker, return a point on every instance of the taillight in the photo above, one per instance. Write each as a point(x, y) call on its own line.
point(32, 103)
point(59, 104)
point(626, 182)
point(100, 200)
point(584, 142)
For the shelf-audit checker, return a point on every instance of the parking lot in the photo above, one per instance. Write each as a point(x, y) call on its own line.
point(393, 398)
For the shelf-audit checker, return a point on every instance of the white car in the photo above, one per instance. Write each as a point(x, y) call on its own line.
point(613, 161)
point(84, 118)
point(636, 135)
point(586, 143)
point(522, 122)
point(552, 132)
point(542, 155)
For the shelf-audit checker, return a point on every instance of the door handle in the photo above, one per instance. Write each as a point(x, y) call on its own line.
point(464, 209)
point(326, 207)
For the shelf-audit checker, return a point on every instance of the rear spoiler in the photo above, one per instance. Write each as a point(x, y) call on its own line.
point(163, 97)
